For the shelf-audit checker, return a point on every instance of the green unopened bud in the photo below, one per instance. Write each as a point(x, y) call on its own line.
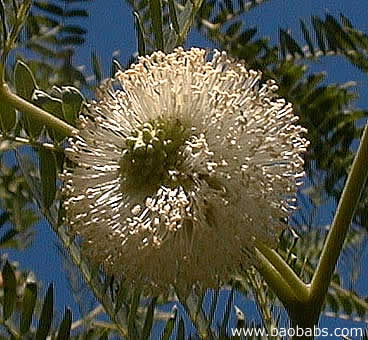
point(150, 149)
point(130, 142)
point(147, 135)
point(151, 154)
point(139, 148)
point(156, 142)
point(160, 134)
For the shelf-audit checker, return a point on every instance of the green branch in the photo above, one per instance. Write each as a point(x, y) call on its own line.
point(35, 112)
point(344, 214)
point(271, 262)
point(275, 280)
point(296, 296)
point(339, 291)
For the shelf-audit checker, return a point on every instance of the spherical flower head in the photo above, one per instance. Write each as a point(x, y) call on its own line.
point(178, 172)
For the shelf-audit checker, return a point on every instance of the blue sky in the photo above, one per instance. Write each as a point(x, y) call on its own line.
point(111, 28)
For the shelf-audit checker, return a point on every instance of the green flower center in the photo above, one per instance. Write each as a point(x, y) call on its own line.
point(152, 155)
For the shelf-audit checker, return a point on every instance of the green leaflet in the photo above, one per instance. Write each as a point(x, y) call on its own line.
point(29, 303)
point(10, 290)
point(64, 329)
point(72, 101)
point(47, 314)
point(156, 17)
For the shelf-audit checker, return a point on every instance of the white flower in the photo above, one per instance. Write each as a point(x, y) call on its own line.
point(178, 172)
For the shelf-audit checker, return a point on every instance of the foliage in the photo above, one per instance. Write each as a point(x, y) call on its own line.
point(51, 36)
point(17, 217)
point(21, 307)
point(163, 25)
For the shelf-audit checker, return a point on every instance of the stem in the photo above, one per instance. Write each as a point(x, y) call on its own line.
point(344, 214)
point(35, 112)
point(339, 290)
point(92, 281)
point(10, 42)
point(10, 328)
point(189, 23)
point(91, 278)
point(2, 73)
point(88, 318)
point(296, 285)
point(17, 141)
point(262, 302)
point(275, 280)
point(304, 302)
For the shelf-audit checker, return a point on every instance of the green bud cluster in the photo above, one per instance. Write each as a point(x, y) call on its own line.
point(151, 152)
